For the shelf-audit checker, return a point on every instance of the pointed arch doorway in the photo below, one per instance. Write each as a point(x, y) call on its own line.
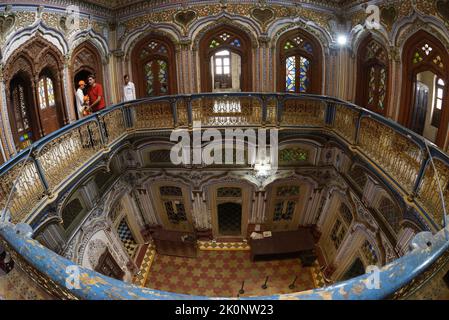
point(425, 95)
point(225, 60)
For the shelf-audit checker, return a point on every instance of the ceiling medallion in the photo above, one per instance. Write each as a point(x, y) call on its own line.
point(443, 8)
point(184, 18)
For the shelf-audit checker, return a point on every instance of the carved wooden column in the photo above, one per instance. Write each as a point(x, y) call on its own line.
point(7, 145)
point(69, 93)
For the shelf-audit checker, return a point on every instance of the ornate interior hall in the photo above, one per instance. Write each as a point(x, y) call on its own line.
point(186, 149)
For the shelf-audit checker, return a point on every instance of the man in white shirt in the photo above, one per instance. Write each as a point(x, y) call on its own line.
point(129, 90)
point(80, 98)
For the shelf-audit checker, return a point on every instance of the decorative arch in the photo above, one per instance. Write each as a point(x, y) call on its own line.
point(300, 63)
point(390, 212)
point(34, 86)
point(86, 59)
point(359, 176)
point(372, 76)
point(423, 52)
point(225, 38)
point(154, 66)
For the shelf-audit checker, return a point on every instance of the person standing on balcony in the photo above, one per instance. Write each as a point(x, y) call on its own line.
point(95, 94)
point(81, 105)
point(129, 90)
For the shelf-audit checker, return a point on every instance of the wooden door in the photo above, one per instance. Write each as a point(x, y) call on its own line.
point(48, 112)
point(420, 108)
point(174, 208)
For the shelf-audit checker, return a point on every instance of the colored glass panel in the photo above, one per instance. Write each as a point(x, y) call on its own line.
point(149, 78)
point(163, 76)
point(42, 100)
point(291, 74)
point(288, 45)
point(50, 92)
point(236, 43)
point(304, 75)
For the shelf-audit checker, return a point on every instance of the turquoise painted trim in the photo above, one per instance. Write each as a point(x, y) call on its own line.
point(94, 286)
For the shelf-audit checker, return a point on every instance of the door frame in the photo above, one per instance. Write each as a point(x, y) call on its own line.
point(245, 201)
point(160, 209)
point(409, 77)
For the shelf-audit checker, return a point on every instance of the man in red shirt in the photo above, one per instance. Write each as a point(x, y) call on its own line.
point(95, 94)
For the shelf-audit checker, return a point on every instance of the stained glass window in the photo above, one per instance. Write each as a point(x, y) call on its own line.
point(50, 92)
point(42, 100)
point(214, 44)
point(288, 45)
point(308, 47)
point(46, 93)
point(291, 74)
point(236, 43)
point(163, 76)
point(417, 58)
point(304, 75)
point(149, 77)
point(293, 155)
point(437, 60)
point(20, 108)
point(427, 49)
point(438, 103)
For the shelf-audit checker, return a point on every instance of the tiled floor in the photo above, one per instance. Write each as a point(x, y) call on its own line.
point(220, 273)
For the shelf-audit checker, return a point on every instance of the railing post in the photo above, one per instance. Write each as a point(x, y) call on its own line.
point(357, 129)
point(174, 111)
point(422, 170)
point(189, 111)
point(280, 109)
point(264, 99)
point(41, 174)
point(330, 113)
point(127, 115)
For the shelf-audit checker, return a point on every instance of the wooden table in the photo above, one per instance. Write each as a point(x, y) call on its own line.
point(287, 244)
point(171, 243)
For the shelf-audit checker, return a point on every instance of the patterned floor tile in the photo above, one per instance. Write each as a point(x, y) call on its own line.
point(144, 270)
point(227, 246)
point(220, 273)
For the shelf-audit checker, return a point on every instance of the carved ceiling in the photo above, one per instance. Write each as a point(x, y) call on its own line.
point(116, 4)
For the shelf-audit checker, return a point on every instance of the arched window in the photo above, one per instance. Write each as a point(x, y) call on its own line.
point(225, 55)
point(299, 63)
point(71, 211)
point(155, 68)
point(373, 76)
point(425, 68)
point(358, 175)
point(46, 93)
point(22, 120)
point(390, 213)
